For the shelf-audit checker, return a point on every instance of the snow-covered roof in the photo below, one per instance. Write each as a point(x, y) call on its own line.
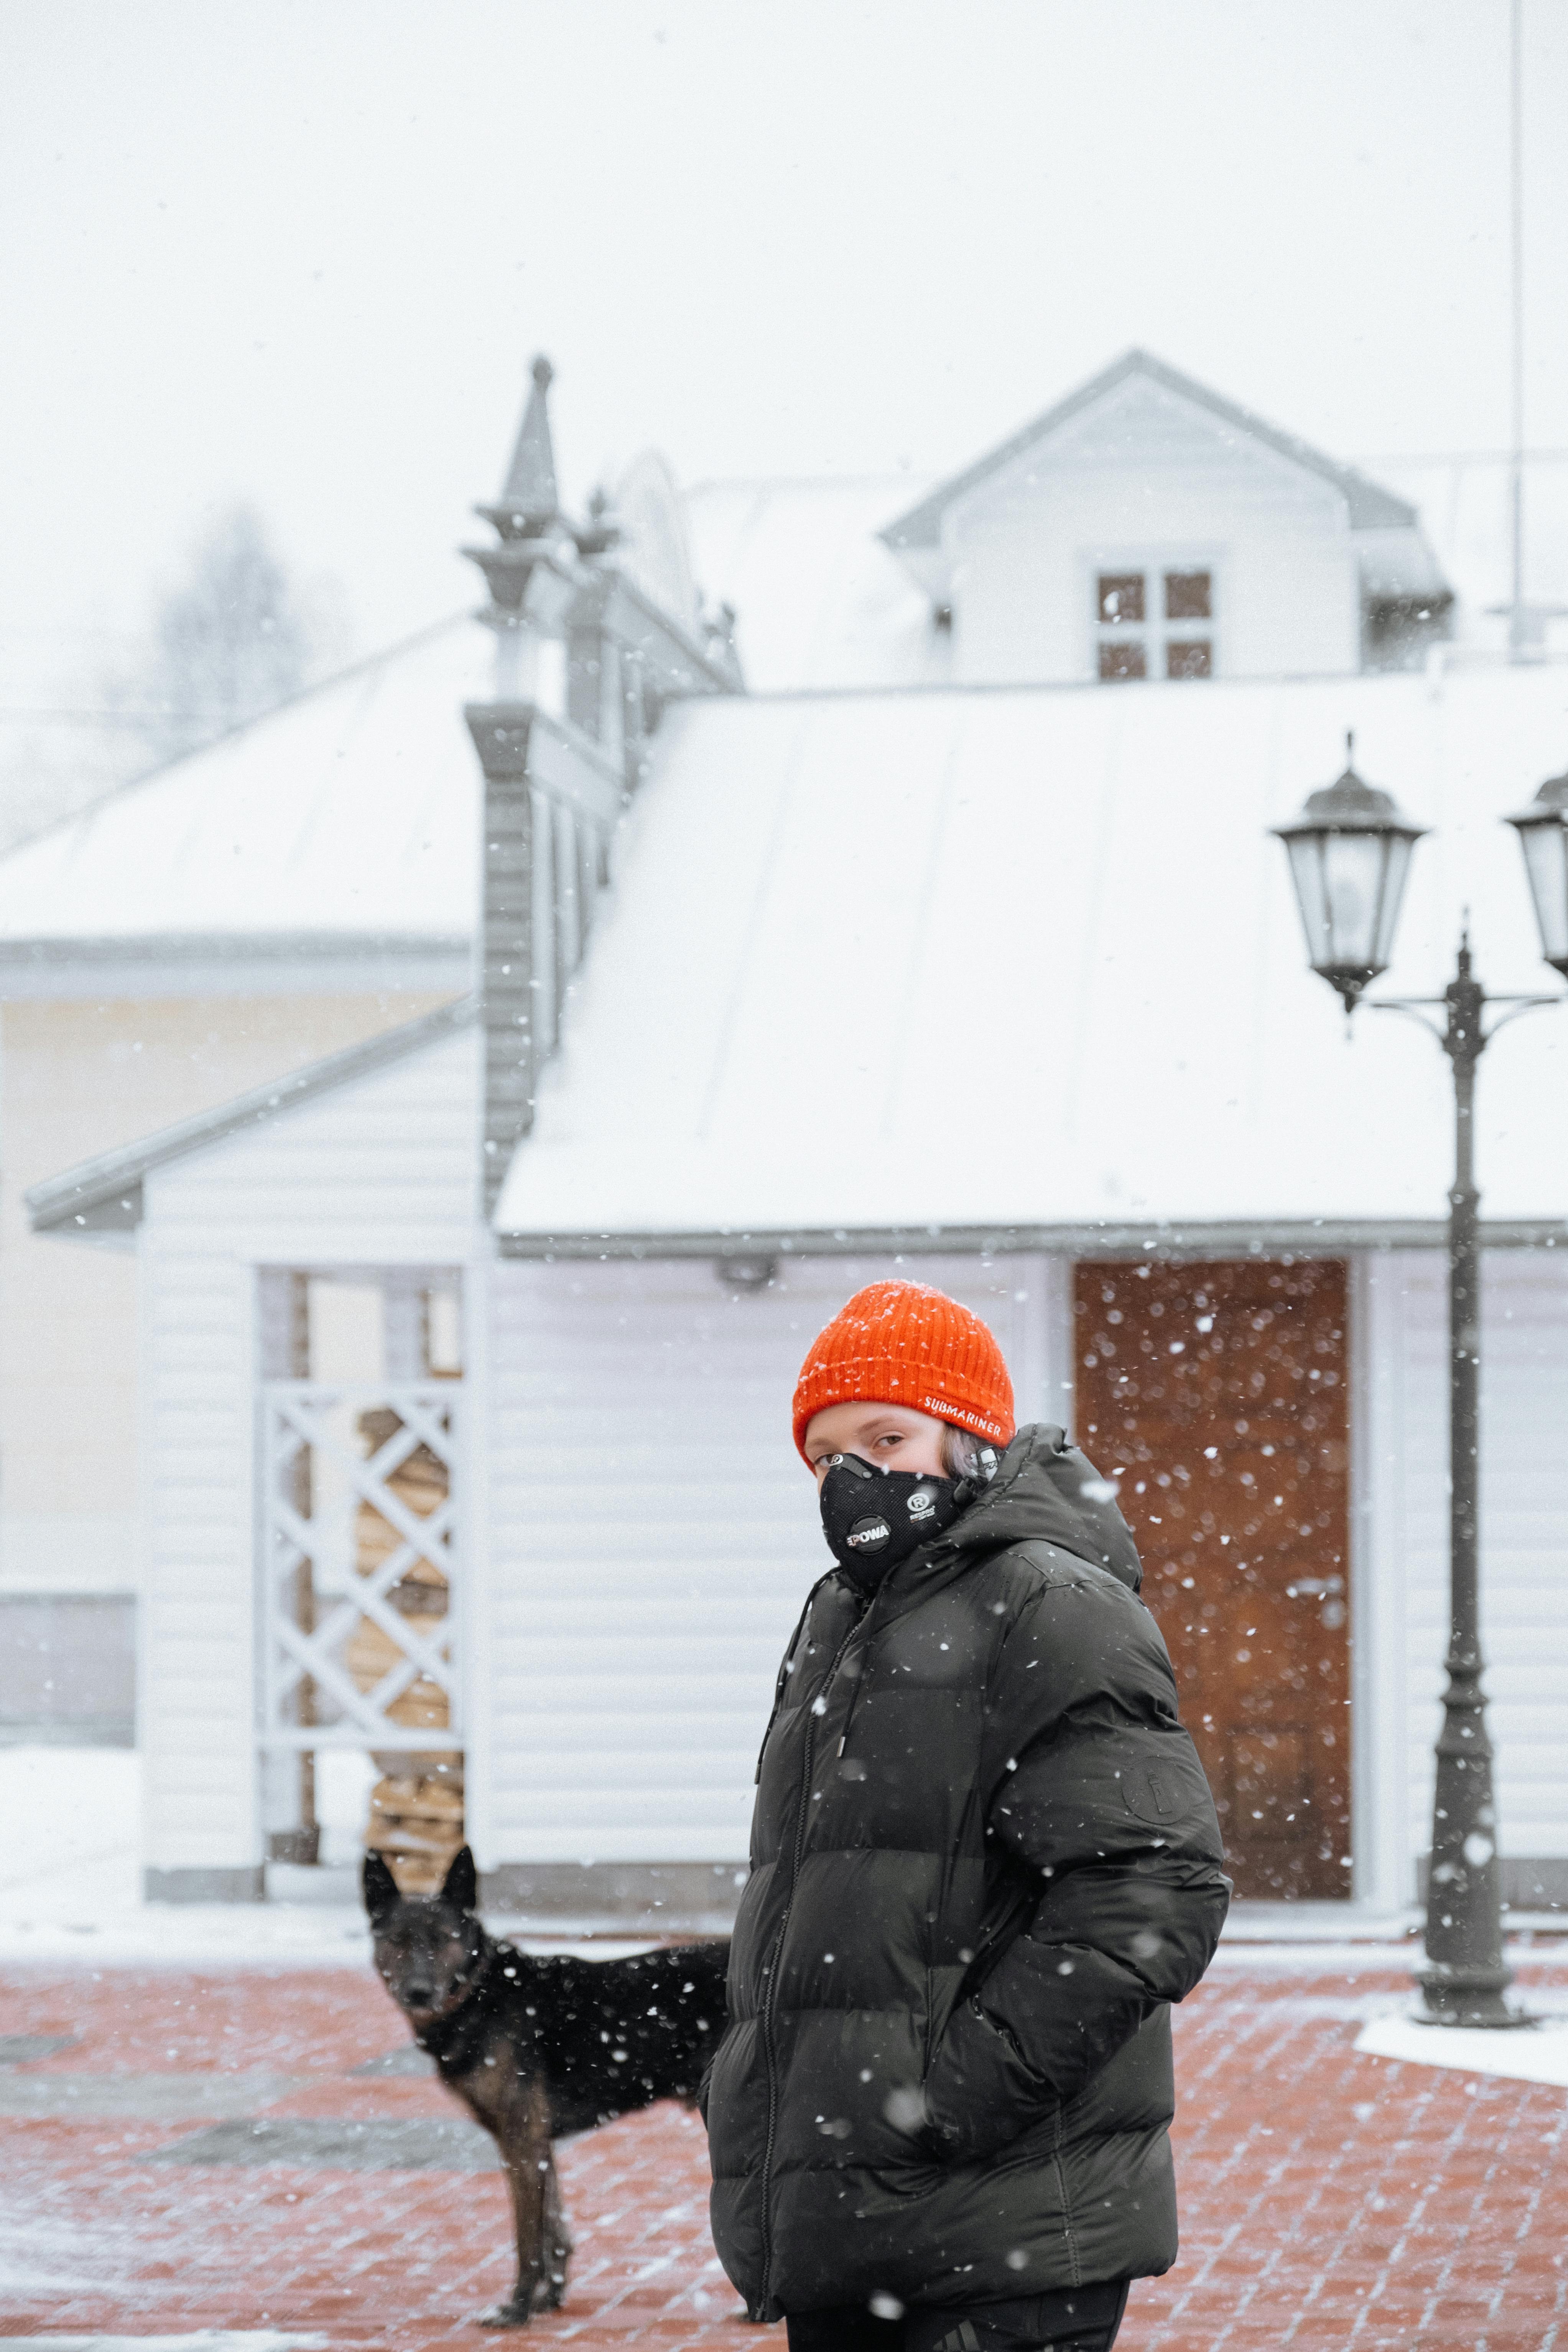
point(820, 601)
point(345, 825)
point(347, 820)
point(1367, 507)
point(1029, 959)
point(101, 1199)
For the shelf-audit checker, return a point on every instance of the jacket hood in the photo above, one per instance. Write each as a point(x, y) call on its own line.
point(1046, 1491)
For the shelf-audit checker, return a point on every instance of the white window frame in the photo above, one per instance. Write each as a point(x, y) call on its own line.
point(1154, 631)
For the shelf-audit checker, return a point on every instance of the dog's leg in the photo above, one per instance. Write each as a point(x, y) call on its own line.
point(550, 2292)
point(522, 2131)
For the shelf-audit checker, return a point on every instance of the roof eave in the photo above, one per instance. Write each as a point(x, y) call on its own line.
point(1157, 1237)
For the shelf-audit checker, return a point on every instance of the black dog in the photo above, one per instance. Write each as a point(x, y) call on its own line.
point(538, 2047)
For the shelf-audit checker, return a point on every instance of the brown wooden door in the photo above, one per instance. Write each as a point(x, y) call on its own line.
point(1216, 1396)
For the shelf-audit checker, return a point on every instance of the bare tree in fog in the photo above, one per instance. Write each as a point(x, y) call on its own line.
point(237, 638)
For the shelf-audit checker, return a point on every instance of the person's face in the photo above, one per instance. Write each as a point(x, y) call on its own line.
point(890, 1435)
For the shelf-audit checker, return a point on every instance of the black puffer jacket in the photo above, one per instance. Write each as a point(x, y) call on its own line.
point(983, 1860)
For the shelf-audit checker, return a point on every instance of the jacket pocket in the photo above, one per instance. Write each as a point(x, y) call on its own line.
point(981, 2093)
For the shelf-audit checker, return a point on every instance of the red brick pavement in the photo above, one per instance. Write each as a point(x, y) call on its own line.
point(1329, 2201)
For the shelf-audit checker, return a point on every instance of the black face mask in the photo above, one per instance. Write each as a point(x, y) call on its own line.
point(873, 1518)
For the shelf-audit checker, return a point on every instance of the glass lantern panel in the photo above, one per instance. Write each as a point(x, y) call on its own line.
point(1354, 878)
point(1546, 864)
point(1306, 854)
point(1397, 850)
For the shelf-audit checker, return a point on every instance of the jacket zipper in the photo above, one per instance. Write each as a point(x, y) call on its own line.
point(869, 1611)
point(1067, 2208)
point(780, 1685)
point(770, 2003)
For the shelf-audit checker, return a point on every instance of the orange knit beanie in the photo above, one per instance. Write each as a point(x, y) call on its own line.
point(901, 1343)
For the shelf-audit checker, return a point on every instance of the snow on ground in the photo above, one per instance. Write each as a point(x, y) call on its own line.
point(71, 1883)
point(70, 1878)
point(1532, 2054)
point(206, 2339)
point(70, 1888)
point(72, 1821)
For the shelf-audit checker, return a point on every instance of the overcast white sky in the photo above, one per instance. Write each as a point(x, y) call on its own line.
point(301, 251)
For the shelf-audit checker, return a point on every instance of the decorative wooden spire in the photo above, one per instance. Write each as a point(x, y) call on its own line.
point(556, 781)
point(529, 572)
point(529, 504)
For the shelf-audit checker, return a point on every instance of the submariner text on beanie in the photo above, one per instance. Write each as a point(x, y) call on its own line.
point(901, 1343)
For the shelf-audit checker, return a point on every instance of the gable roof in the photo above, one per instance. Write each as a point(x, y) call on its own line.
point(1370, 508)
point(1027, 961)
point(103, 1196)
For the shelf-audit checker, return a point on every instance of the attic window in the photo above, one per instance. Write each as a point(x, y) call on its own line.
point(1155, 624)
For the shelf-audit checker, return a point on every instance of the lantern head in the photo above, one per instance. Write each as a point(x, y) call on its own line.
point(1349, 855)
point(1542, 831)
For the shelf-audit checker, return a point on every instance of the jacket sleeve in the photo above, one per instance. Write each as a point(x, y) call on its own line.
point(1098, 1789)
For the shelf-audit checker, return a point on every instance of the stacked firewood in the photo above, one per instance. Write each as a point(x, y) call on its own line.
point(416, 1823)
point(417, 1808)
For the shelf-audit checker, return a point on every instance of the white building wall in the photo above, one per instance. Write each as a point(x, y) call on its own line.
point(1524, 1539)
point(653, 1541)
point(80, 1076)
point(653, 1533)
point(1145, 479)
point(375, 1174)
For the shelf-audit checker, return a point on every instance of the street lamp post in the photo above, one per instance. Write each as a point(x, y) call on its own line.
point(1350, 853)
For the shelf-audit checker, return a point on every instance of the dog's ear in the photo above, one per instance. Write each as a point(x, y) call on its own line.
point(381, 1895)
point(460, 1887)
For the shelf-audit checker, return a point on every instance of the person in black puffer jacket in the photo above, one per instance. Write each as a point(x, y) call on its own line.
point(984, 1862)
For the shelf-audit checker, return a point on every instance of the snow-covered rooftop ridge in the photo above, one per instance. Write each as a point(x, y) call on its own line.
point(349, 815)
point(348, 820)
point(1030, 959)
point(823, 602)
point(1368, 507)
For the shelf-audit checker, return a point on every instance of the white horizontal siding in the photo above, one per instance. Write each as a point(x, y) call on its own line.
point(1524, 1544)
point(653, 1534)
point(1523, 1537)
point(381, 1172)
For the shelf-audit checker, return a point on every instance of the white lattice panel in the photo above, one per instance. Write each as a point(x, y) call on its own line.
point(315, 1482)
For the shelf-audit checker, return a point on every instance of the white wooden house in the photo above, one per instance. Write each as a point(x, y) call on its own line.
point(996, 984)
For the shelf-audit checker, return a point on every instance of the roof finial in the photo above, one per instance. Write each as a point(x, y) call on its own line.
point(1349, 747)
point(529, 494)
